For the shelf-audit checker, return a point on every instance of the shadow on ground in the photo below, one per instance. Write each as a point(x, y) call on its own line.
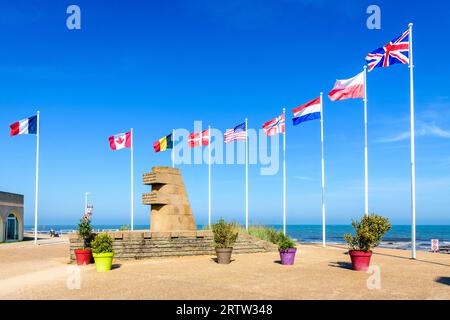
point(341, 264)
point(443, 280)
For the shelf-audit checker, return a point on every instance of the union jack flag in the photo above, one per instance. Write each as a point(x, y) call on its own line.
point(275, 126)
point(396, 51)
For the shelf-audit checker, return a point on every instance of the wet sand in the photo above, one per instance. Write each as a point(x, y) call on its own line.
point(43, 272)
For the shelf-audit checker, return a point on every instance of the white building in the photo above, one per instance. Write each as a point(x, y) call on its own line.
point(11, 217)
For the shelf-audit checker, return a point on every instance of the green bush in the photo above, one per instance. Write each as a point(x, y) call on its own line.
point(84, 230)
point(286, 243)
point(124, 228)
point(225, 234)
point(102, 243)
point(369, 231)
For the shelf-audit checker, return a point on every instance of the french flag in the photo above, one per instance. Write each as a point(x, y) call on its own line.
point(307, 112)
point(348, 89)
point(26, 126)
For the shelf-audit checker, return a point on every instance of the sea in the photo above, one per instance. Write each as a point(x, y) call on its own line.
point(398, 237)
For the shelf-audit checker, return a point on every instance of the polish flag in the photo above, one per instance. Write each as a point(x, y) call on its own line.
point(198, 139)
point(26, 126)
point(120, 141)
point(348, 89)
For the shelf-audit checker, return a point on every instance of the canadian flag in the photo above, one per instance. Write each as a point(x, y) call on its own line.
point(120, 141)
point(198, 139)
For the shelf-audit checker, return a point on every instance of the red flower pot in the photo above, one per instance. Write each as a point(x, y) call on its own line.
point(83, 256)
point(360, 260)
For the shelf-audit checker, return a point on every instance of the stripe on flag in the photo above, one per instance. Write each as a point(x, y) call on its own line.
point(307, 112)
point(163, 144)
point(348, 89)
point(26, 126)
point(237, 133)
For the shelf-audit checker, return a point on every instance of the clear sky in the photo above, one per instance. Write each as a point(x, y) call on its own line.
point(158, 65)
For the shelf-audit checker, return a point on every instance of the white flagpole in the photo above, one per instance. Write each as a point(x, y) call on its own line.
point(413, 156)
point(37, 180)
point(324, 242)
point(246, 174)
point(284, 174)
point(173, 148)
point(131, 184)
point(366, 152)
point(209, 175)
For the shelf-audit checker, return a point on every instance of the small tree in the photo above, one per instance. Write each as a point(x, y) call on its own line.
point(369, 231)
point(85, 230)
point(225, 234)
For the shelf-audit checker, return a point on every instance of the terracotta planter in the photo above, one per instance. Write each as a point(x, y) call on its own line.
point(224, 255)
point(360, 260)
point(287, 256)
point(83, 256)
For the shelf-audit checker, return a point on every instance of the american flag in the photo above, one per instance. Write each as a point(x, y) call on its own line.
point(237, 133)
point(275, 126)
point(396, 51)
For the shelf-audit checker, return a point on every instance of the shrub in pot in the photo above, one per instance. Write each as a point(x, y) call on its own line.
point(83, 255)
point(225, 235)
point(102, 248)
point(368, 234)
point(287, 249)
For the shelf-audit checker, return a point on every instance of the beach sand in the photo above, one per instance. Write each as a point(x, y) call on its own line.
point(42, 272)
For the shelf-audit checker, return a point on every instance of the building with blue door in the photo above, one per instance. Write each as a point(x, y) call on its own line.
point(11, 217)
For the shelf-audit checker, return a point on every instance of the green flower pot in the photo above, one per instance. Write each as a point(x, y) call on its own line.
point(103, 261)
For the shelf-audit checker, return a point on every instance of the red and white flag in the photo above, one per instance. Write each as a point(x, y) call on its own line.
point(275, 126)
point(120, 141)
point(348, 89)
point(198, 139)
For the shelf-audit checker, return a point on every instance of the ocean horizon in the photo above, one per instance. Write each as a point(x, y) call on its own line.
point(399, 236)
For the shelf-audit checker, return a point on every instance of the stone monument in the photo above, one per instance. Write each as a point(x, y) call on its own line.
point(170, 207)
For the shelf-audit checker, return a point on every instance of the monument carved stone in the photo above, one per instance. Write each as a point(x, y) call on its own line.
point(170, 207)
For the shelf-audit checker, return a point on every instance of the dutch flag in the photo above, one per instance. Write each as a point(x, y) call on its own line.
point(307, 112)
point(26, 126)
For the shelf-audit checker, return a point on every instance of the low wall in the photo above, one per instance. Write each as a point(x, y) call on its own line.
point(145, 244)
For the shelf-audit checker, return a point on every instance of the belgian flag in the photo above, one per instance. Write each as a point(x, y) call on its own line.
point(163, 144)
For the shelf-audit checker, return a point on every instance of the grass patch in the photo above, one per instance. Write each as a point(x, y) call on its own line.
point(267, 234)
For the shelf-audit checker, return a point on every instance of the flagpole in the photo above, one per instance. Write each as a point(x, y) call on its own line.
point(37, 180)
point(173, 148)
point(131, 184)
point(323, 173)
point(209, 175)
point(246, 174)
point(413, 156)
point(284, 174)
point(366, 150)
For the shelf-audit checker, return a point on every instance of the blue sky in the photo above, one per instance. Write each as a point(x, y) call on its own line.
point(158, 65)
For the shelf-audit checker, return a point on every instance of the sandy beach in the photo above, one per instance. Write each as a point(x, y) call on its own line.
point(43, 272)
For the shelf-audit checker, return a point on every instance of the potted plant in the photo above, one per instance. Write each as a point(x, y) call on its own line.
point(287, 249)
point(83, 255)
point(225, 235)
point(369, 232)
point(102, 248)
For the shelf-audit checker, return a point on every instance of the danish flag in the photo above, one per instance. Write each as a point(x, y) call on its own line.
point(396, 51)
point(198, 139)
